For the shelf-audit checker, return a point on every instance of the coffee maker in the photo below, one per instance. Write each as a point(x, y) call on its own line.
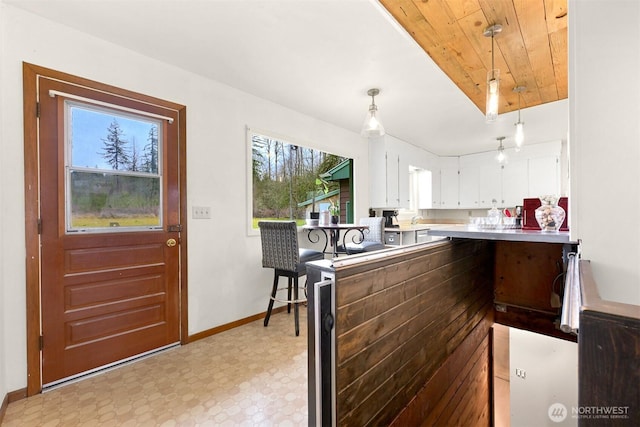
point(388, 218)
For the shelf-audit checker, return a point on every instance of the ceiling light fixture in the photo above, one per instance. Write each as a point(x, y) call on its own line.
point(501, 157)
point(372, 126)
point(520, 124)
point(493, 78)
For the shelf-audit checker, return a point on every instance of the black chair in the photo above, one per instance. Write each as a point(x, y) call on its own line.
point(280, 251)
point(373, 237)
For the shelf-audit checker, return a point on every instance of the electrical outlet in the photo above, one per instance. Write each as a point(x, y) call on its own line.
point(521, 373)
point(201, 212)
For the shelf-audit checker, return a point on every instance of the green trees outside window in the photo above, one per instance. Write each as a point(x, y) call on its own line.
point(287, 179)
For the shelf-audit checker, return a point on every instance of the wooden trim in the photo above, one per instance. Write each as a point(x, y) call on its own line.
point(182, 164)
point(3, 407)
point(31, 188)
point(12, 396)
point(231, 325)
point(591, 300)
point(32, 239)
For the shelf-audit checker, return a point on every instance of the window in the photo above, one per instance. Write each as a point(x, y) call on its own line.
point(289, 181)
point(113, 169)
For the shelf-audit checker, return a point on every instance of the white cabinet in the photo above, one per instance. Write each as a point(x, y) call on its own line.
point(449, 191)
point(469, 182)
point(389, 175)
point(532, 172)
point(466, 182)
point(403, 197)
point(515, 182)
point(490, 181)
point(377, 173)
point(392, 172)
point(544, 176)
point(435, 187)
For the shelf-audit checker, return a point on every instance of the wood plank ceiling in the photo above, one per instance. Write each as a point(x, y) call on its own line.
point(530, 51)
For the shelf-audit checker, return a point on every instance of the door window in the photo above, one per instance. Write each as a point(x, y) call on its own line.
point(113, 170)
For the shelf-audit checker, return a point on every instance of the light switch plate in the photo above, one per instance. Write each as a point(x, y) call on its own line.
point(201, 212)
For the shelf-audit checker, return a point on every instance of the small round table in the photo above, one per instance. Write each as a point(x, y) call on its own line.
point(333, 235)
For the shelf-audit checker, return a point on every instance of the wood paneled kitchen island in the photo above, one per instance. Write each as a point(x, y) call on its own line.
point(409, 329)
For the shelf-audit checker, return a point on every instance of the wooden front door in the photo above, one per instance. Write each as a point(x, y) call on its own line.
point(109, 225)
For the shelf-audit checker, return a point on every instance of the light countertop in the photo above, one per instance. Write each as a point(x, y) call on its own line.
point(510, 234)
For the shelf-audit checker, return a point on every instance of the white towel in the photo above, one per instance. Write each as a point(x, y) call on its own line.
point(570, 319)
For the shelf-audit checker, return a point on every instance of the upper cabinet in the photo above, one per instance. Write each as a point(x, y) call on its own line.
point(403, 176)
point(474, 181)
point(449, 181)
point(388, 173)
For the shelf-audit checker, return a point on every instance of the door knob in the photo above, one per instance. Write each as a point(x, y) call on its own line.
point(171, 242)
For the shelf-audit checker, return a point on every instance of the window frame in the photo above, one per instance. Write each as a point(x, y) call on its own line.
point(250, 132)
point(69, 168)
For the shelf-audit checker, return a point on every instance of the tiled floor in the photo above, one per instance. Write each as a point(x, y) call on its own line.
point(248, 376)
point(501, 398)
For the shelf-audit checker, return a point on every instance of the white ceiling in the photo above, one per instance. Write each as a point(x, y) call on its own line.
point(318, 57)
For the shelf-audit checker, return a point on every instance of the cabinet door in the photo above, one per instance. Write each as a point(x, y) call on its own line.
point(403, 181)
point(490, 183)
point(469, 186)
point(377, 173)
point(449, 191)
point(435, 188)
point(515, 183)
point(544, 176)
point(393, 180)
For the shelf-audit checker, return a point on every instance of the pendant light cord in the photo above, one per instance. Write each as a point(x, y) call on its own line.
point(493, 67)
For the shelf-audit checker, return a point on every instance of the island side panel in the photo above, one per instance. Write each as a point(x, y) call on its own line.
point(402, 320)
point(527, 274)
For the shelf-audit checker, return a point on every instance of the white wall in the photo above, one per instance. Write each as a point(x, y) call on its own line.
point(551, 376)
point(604, 141)
point(4, 321)
point(226, 280)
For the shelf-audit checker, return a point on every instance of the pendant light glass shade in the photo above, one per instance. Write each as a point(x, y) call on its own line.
point(501, 157)
point(493, 79)
point(372, 127)
point(493, 95)
point(519, 135)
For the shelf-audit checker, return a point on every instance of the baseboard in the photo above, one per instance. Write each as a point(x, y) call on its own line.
point(231, 325)
point(11, 397)
point(3, 408)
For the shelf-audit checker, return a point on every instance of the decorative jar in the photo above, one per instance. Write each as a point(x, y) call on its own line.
point(549, 215)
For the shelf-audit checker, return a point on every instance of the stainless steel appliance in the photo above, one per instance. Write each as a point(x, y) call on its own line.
point(321, 368)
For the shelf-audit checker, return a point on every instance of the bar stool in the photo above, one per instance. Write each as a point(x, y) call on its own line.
point(280, 251)
point(373, 237)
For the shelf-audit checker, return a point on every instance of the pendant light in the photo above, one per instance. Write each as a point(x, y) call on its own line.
point(372, 126)
point(493, 78)
point(501, 157)
point(520, 124)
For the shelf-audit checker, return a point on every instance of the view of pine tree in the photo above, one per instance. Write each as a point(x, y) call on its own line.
point(150, 158)
point(134, 165)
point(114, 148)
